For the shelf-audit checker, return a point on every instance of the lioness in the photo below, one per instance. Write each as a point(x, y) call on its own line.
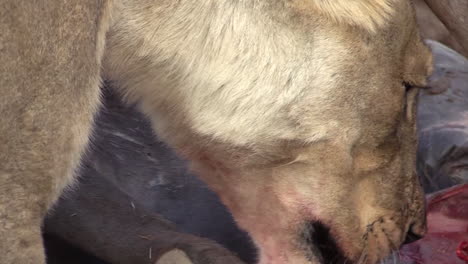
point(295, 112)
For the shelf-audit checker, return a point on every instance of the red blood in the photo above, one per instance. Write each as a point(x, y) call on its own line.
point(462, 251)
point(447, 239)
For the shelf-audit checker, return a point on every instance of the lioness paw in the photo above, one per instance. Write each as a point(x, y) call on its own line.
point(174, 256)
point(196, 250)
point(204, 256)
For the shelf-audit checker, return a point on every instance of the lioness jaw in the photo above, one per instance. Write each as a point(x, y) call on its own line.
point(295, 112)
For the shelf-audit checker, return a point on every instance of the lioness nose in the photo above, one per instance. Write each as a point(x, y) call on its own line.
point(414, 234)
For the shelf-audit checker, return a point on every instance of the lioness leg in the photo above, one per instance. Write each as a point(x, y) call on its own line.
point(50, 53)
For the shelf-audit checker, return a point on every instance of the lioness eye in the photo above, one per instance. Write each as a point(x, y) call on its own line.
point(407, 86)
point(409, 103)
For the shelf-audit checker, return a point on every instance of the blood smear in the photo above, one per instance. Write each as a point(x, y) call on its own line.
point(447, 218)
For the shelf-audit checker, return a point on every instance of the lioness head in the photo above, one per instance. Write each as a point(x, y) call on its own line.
point(300, 114)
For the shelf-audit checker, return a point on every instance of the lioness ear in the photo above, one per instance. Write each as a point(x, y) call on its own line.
point(417, 63)
point(369, 14)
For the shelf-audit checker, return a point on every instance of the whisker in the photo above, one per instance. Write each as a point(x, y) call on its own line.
point(363, 256)
point(392, 245)
point(397, 255)
point(364, 260)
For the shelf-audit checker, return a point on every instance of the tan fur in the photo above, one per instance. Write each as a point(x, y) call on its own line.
point(49, 77)
point(371, 15)
point(293, 111)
